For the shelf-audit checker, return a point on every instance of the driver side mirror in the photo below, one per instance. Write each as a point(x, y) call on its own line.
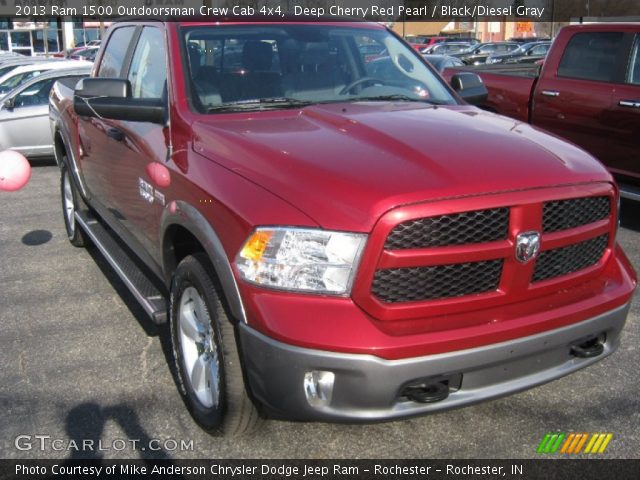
point(111, 98)
point(9, 104)
point(470, 87)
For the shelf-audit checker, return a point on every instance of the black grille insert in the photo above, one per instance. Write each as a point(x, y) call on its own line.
point(565, 214)
point(439, 281)
point(565, 260)
point(478, 226)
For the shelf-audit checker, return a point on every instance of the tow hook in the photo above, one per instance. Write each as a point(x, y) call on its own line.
point(427, 393)
point(589, 348)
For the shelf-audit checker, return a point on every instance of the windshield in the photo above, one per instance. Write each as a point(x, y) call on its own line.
point(280, 66)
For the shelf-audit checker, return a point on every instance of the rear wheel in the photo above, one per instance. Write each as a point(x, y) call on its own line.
point(205, 352)
point(70, 202)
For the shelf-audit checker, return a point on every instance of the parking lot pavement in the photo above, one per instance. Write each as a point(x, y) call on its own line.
point(80, 361)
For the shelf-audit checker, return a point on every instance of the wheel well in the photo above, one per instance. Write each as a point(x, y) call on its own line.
point(179, 242)
point(59, 148)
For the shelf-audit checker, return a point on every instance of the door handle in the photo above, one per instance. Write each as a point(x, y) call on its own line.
point(629, 103)
point(115, 134)
point(550, 93)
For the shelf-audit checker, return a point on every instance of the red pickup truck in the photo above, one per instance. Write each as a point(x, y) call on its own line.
point(588, 92)
point(330, 246)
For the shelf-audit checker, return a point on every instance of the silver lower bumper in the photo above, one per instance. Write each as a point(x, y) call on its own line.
point(367, 388)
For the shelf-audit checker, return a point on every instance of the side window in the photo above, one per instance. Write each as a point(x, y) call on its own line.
point(540, 50)
point(17, 80)
point(148, 72)
point(113, 58)
point(591, 56)
point(633, 75)
point(36, 94)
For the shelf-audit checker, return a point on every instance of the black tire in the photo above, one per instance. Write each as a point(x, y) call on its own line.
point(70, 202)
point(233, 413)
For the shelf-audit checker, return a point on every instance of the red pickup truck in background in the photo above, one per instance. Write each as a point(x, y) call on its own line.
point(588, 92)
point(330, 246)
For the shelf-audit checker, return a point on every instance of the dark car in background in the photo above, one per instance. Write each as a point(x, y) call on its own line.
point(526, 53)
point(478, 54)
point(88, 54)
point(370, 51)
point(447, 48)
point(529, 39)
point(424, 44)
point(440, 62)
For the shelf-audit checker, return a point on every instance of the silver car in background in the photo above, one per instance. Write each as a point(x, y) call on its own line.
point(21, 75)
point(9, 63)
point(24, 112)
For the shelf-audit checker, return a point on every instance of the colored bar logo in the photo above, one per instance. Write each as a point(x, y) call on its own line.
point(574, 443)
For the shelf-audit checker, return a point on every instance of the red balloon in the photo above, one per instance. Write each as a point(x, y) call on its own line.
point(15, 171)
point(159, 174)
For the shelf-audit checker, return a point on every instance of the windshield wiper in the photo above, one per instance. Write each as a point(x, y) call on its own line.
point(260, 104)
point(397, 96)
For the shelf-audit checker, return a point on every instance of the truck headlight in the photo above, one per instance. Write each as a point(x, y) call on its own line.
point(305, 260)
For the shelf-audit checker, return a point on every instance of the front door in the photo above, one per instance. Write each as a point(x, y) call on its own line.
point(135, 197)
point(116, 153)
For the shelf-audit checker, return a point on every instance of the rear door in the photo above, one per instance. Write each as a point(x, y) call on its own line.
point(624, 156)
point(574, 101)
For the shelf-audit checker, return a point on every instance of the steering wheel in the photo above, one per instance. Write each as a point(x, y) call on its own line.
point(357, 82)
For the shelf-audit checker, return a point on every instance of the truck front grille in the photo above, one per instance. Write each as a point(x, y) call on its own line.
point(576, 212)
point(478, 226)
point(438, 281)
point(563, 261)
point(433, 255)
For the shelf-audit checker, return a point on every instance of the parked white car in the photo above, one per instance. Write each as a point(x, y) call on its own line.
point(24, 112)
point(18, 76)
point(8, 63)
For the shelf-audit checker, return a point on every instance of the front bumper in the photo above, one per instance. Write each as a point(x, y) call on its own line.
point(367, 388)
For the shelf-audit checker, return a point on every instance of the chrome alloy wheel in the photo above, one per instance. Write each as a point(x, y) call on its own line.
point(69, 205)
point(199, 349)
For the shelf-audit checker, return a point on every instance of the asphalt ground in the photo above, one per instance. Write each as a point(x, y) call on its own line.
point(80, 361)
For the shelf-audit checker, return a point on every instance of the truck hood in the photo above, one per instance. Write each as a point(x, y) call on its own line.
point(346, 164)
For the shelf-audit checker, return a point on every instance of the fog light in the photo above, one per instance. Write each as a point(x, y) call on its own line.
point(318, 387)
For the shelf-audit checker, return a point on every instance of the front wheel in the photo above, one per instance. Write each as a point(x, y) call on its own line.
point(205, 352)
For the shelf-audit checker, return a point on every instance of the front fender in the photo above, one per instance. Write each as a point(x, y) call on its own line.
point(188, 217)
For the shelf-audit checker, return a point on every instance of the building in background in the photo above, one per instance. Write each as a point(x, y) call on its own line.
point(41, 38)
point(483, 31)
